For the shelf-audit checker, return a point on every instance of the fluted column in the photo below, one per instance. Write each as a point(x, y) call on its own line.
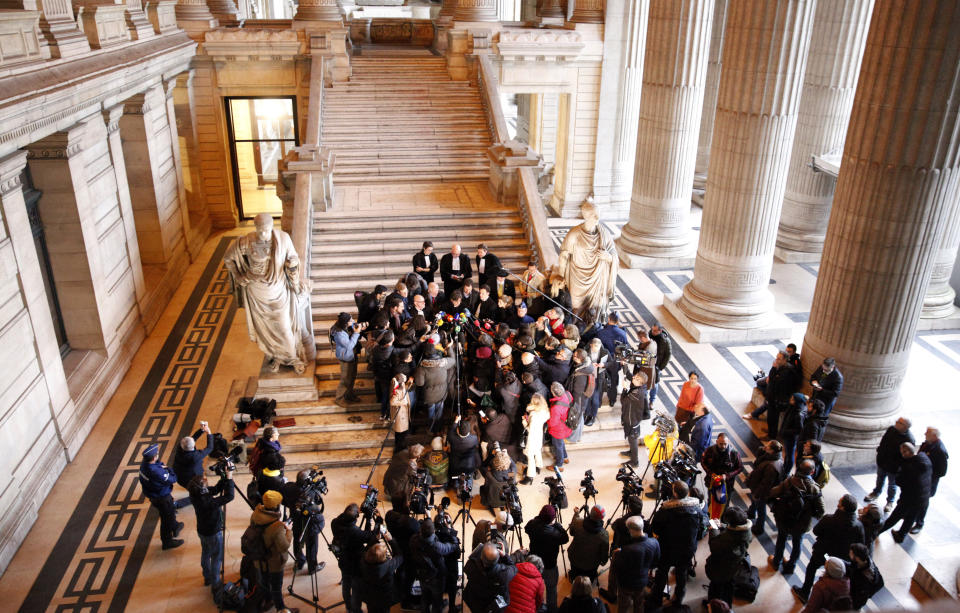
point(587, 11)
point(938, 301)
point(551, 9)
point(625, 32)
point(839, 35)
point(476, 10)
point(678, 42)
point(896, 193)
point(765, 56)
point(710, 91)
point(194, 17)
point(225, 10)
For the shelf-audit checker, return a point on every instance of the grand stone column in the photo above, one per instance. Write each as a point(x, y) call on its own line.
point(551, 9)
point(678, 41)
point(625, 33)
point(224, 10)
point(710, 91)
point(476, 10)
point(896, 194)
point(839, 35)
point(195, 18)
point(765, 56)
point(938, 302)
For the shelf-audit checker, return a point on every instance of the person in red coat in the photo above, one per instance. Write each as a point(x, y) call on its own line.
point(560, 402)
point(527, 587)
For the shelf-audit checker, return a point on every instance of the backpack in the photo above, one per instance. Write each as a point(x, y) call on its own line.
point(824, 477)
point(574, 415)
point(746, 581)
point(252, 544)
point(254, 458)
point(591, 386)
point(792, 503)
point(232, 596)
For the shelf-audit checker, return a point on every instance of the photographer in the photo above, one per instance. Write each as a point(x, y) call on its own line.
point(729, 543)
point(188, 460)
point(377, 569)
point(488, 572)
point(306, 509)
point(635, 407)
point(590, 545)
point(495, 477)
point(677, 527)
point(647, 345)
point(402, 526)
point(345, 338)
point(396, 480)
point(443, 525)
point(664, 351)
point(546, 538)
point(429, 555)
point(265, 543)
point(351, 540)
point(207, 503)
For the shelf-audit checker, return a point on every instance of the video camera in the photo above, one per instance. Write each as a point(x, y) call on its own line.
point(623, 354)
point(558, 491)
point(588, 485)
point(511, 499)
point(632, 483)
point(421, 497)
point(678, 468)
point(464, 486)
point(313, 485)
point(760, 375)
point(443, 516)
point(368, 508)
point(227, 462)
point(664, 423)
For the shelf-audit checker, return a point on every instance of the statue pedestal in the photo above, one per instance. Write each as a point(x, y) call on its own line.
point(286, 385)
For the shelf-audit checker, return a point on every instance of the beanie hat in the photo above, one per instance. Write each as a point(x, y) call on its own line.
point(548, 513)
point(187, 443)
point(436, 444)
point(484, 352)
point(505, 350)
point(526, 358)
point(597, 513)
point(272, 499)
point(835, 567)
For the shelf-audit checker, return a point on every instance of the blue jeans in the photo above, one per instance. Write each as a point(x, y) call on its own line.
point(654, 388)
point(759, 509)
point(211, 556)
point(789, 449)
point(559, 451)
point(891, 479)
point(796, 538)
point(434, 412)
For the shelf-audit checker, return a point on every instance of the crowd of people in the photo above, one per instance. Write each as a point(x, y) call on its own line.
point(487, 378)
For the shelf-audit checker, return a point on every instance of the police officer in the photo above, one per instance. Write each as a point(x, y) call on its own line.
point(157, 481)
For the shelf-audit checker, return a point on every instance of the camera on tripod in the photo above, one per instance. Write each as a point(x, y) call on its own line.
point(664, 423)
point(511, 499)
point(558, 492)
point(464, 486)
point(588, 485)
point(313, 485)
point(420, 495)
point(443, 518)
point(623, 354)
point(227, 462)
point(632, 484)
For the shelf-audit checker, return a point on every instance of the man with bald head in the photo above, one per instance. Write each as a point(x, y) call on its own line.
point(454, 268)
point(488, 572)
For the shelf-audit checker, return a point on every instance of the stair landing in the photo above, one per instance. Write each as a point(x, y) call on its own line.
point(393, 198)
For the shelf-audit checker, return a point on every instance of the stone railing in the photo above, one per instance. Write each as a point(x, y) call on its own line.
point(490, 96)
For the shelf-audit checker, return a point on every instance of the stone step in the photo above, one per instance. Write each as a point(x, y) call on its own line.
point(471, 137)
point(383, 167)
point(432, 110)
point(330, 458)
point(410, 94)
point(451, 149)
point(437, 235)
point(366, 276)
point(441, 177)
point(325, 441)
point(465, 218)
point(327, 422)
point(427, 125)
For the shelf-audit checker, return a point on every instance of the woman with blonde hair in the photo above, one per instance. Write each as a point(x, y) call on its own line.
point(400, 410)
point(538, 412)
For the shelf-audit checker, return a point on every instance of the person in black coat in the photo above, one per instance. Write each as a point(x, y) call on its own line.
point(188, 460)
point(501, 286)
point(208, 502)
point(934, 449)
point(464, 449)
point(766, 475)
point(487, 265)
point(378, 570)
point(835, 534)
point(915, 479)
point(796, 501)
point(487, 305)
point(555, 369)
point(635, 407)
point(488, 573)
point(827, 382)
point(677, 527)
point(581, 599)
point(403, 527)
point(454, 269)
point(425, 262)
point(782, 382)
point(889, 460)
point(352, 540)
point(429, 554)
point(790, 430)
point(865, 578)
point(371, 304)
point(547, 536)
point(508, 393)
point(814, 422)
point(631, 564)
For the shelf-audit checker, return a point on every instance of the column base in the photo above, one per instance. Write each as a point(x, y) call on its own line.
point(286, 385)
point(774, 326)
point(949, 322)
point(788, 256)
point(646, 262)
point(836, 454)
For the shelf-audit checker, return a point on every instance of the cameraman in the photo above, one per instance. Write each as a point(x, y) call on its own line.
point(306, 510)
point(345, 337)
point(590, 548)
point(188, 460)
point(635, 407)
point(488, 573)
point(403, 527)
point(429, 555)
point(621, 536)
point(464, 448)
point(546, 538)
point(207, 503)
point(351, 540)
point(677, 526)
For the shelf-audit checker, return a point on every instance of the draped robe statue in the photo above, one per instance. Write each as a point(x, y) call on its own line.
point(265, 273)
point(588, 264)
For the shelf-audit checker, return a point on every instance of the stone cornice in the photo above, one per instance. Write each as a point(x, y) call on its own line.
point(74, 89)
point(539, 45)
point(252, 44)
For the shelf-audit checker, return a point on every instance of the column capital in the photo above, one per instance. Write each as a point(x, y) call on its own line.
point(59, 145)
point(11, 171)
point(111, 117)
point(586, 11)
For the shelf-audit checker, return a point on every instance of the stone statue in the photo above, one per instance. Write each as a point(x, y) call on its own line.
point(588, 263)
point(265, 272)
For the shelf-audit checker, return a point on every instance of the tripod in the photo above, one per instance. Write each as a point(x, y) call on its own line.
point(463, 515)
point(563, 554)
point(661, 445)
point(315, 601)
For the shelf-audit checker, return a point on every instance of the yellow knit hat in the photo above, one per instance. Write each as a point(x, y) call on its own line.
point(272, 499)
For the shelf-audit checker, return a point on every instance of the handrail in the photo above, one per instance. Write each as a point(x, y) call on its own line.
point(534, 217)
point(489, 93)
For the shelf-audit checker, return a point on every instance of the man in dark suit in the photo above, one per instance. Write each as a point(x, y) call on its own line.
point(454, 269)
point(425, 263)
point(434, 298)
point(827, 382)
point(487, 264)
point(502, 286)
point(471, 297)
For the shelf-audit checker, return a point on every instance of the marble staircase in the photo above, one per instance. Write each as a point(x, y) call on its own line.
point(404, 119)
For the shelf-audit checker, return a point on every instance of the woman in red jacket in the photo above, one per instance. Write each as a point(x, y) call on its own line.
point(527, 587)
point(557, 424)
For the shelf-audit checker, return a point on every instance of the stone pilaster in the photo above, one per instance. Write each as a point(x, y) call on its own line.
point(765, 57)
point(225, 11)
point(895, 197)
point(551, 9)
point(586, 11)
point(677, 42)
point(58, 26)
point(318, 10)
point(448, 8)
point(710, 91)
point(619, 108)
point(169, 85)
point(195, 18)
point(476, 10)
point(137, 22)
point(839, 34)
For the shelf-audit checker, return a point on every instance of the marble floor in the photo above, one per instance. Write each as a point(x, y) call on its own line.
point(95, 547)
